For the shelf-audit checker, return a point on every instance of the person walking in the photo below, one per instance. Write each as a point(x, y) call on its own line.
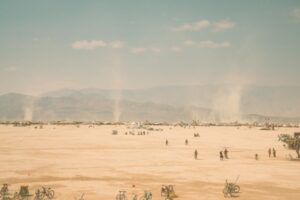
point(221, 155)
point(167, 142)
point(226, 153)
point(274, 153)
point(196, 154)
point(269, 151)
point(186, 142)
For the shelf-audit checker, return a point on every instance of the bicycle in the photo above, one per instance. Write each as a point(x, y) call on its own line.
point(121, 195)
point(230, 189)
point(41, 194)
point(4, 193)
point(23, 193)
point(147, 196)
point(168, 192)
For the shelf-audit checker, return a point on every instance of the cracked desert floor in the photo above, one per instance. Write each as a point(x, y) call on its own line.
point(92, 161)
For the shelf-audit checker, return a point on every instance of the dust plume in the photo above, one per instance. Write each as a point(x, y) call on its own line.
point(28, 113)
point(117, 86)
point(226, 104)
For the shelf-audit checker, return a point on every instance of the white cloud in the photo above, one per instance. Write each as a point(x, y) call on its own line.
point(11, 68)
point(189, 43)
point(176, 49)
point(222, 25)
point(296, 14)
point(214, 45)
point(203, 24)
point(89, 45)
point(138, 50)
point(116, 44)
point(196, 26)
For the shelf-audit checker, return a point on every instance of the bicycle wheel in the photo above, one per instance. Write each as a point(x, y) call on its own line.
point(50, 194)
point(41, 196)
point(236, 189)
point(225, 192)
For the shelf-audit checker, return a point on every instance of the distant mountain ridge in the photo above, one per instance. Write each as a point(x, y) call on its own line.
point(172, 103)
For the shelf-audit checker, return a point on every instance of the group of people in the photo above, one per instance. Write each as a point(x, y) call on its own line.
point(186, 142)
point(224, 155)
point(272, 151)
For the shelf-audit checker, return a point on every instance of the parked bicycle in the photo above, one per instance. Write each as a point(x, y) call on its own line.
point(44, 192)
point(121, 195)
point(146, 196)
point(23, 193)
point(230, 189)
point(4, 193)
point(168, 192)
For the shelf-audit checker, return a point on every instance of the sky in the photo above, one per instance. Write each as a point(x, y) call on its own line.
point(47, 45)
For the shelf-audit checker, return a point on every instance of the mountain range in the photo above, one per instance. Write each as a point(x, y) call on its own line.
point(209, 103)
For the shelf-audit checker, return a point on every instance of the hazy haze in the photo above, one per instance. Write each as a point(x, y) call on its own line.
point(235, 46)
point(50, 45)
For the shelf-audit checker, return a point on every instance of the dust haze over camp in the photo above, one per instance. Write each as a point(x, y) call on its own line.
point(149, 100)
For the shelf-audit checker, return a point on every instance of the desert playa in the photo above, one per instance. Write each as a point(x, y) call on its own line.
point(91, 160)
point(150, 100)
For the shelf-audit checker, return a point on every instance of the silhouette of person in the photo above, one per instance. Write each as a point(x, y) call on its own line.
point(221, 155)
point(274, 153)
point(269, 151)
point(226, 153)
point(196, 154)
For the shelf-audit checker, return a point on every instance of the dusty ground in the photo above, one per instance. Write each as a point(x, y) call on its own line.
point(93, 161)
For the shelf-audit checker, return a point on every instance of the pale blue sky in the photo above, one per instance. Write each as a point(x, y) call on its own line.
point(53, 44)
